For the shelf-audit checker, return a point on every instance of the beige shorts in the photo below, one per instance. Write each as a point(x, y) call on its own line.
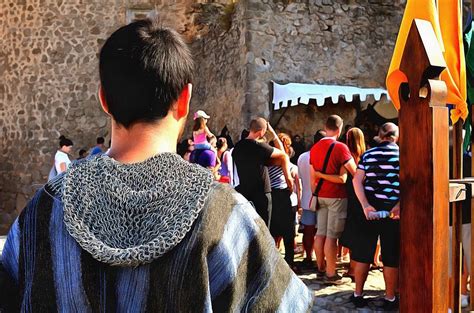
point(331, 218)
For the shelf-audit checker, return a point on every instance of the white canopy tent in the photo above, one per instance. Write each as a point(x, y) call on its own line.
point(294, 94)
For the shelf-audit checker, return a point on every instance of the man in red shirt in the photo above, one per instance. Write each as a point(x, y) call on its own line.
point(332, 197)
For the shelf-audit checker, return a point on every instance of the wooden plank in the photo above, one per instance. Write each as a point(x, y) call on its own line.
point(472, 204)
point(472, 198)
point(464, 180)
point(424, 175)
point(456, 246)
point(440, 244)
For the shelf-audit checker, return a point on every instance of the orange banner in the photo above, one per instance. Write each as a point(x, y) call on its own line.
point(448, 28)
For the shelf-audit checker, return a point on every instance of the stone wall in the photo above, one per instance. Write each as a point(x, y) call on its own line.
point(220, 79)
point(48, 87)
point(49, 79)
point(344, 42)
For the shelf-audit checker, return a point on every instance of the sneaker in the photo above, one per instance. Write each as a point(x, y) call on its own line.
point(320, 274)
point(390, 305)
point(464, 301)
point(359, 301)
point(308, 264)
point(336, 280)
point(347, 275)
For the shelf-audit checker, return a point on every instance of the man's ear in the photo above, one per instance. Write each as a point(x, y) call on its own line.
point(183, 101)
point(102, 100)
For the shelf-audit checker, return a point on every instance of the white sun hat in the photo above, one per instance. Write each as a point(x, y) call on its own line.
point(201, 113)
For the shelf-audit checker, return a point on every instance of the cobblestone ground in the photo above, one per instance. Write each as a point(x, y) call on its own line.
point(336, 298)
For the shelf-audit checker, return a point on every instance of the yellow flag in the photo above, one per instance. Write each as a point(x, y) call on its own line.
point(450, 19)
point(421, 9)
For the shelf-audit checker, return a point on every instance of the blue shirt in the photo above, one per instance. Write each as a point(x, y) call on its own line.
point(96, 150)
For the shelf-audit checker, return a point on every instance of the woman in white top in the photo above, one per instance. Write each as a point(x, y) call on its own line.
point(61, 158)
point(308, 217)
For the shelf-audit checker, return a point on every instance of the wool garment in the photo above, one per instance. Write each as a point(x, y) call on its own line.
point(161, 237)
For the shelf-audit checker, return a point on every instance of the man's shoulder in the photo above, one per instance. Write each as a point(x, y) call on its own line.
point(222, 200)
point(95, 150)
point(250, 144)
point(303, 158)
point(241, 144)
point(382, 149)
point(40, 204)
point(341, 146)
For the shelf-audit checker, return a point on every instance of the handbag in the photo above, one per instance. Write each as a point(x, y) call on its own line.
point(313, 203)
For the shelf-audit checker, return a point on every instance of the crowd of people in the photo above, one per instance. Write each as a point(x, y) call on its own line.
point(343, 193)
point(64, 156)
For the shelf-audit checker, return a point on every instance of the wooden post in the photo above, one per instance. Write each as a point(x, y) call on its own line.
point(472, 199)
point(456, 248)
point(472, 206)
point(424, 173)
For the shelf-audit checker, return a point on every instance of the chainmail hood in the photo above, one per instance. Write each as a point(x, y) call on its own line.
point(131, 214)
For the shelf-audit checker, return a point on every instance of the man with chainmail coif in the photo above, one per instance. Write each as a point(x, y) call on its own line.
point(139, 229)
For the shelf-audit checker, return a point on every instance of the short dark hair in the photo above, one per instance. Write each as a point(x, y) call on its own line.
point(100, 140)
point(388, 130)
point(183, 147)
point(143, 69)
point(258, 124)
point(334, 122)
point(221, 142)
point(320, 134)
point(63, 141)
point(244, 134)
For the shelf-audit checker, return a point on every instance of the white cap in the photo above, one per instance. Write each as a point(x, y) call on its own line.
point(201, 113)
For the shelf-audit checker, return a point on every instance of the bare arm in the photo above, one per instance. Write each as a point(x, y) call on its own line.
point(228, 162)
point(313, 177)
point(337, 179)
point(62, 167)
point(296, 179)
point(276, 141)
point(208, 132)
point(279, 158)
point(395, 212)
point(358, 183)
point(351, 167)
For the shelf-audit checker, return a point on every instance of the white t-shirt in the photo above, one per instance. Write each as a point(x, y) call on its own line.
point(61, 157)
point(294, 194)
point(304, 173)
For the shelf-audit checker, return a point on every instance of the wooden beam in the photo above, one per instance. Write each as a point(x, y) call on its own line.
point(472, 199)
point(472, 204)
point(456, 247)
point(424, 175)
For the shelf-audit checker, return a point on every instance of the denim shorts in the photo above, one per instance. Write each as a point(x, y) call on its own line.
point(308, 218)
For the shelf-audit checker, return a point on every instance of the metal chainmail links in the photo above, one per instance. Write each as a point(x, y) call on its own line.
point(131, 214)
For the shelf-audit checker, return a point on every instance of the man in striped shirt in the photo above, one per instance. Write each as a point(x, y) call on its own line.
point(377, 186)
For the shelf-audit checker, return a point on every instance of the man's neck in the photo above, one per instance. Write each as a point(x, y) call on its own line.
point(142, 141)
point(387, 142)
point(253, 136)
point(331, 134)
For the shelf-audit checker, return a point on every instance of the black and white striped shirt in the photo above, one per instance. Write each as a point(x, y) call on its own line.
point(382, 166)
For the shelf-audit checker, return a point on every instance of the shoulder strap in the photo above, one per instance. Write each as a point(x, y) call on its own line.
point(325, 165)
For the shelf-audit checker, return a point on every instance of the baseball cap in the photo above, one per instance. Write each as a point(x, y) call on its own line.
point(201, 113)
